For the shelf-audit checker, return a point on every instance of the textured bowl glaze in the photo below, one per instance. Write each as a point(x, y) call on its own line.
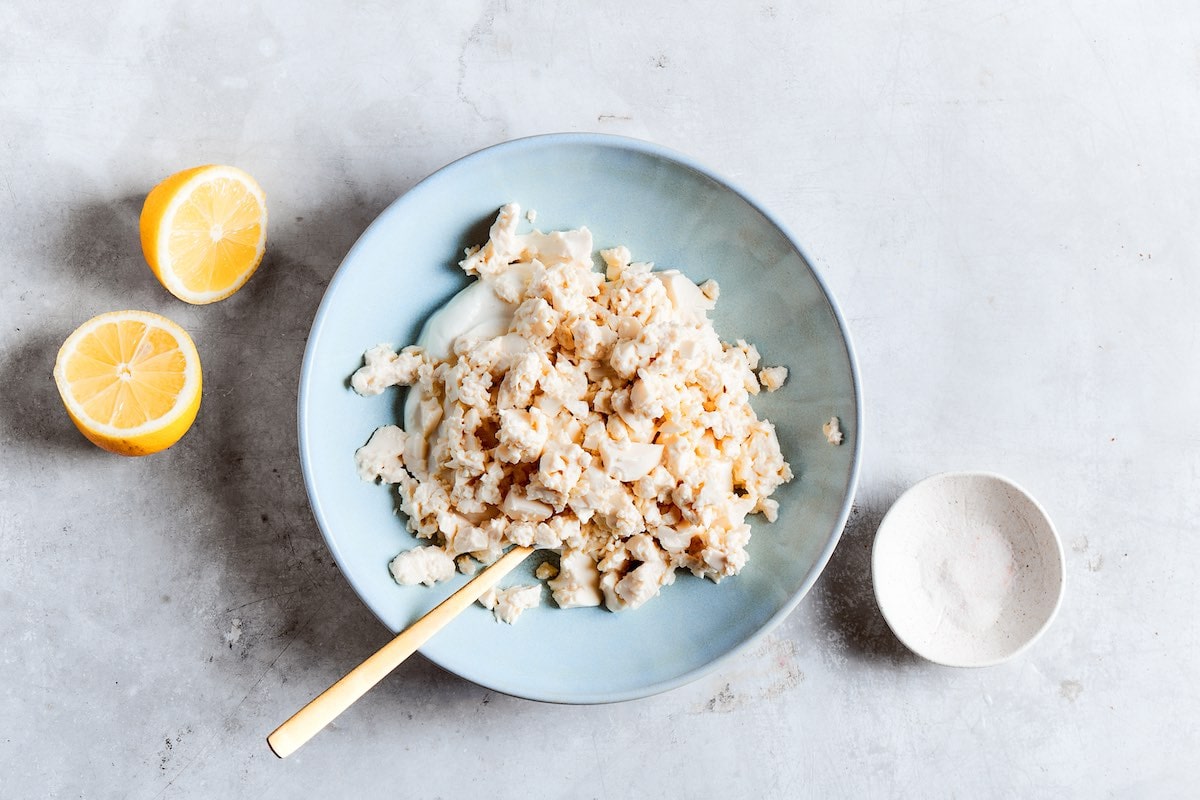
point(666, 209)
point(968, 569)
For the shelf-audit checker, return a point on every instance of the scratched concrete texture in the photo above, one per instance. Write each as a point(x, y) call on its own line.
point(1003, 196)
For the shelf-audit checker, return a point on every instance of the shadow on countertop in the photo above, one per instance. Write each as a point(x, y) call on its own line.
point(280, 611)
point(92, 254)
point(30, 408)
point(847, 605)
point(290, 602)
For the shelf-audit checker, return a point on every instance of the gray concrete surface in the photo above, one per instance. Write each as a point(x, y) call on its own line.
point(1003, 197)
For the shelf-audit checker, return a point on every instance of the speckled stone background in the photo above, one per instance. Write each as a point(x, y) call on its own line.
point(1003, 197)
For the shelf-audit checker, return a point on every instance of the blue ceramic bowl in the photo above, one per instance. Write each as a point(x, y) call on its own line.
point(666, 209)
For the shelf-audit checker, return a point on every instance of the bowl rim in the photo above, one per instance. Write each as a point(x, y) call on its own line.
point(617, 142)
point(1055, 537)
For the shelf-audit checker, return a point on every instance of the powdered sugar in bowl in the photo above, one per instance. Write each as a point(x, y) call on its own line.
point(968, 569)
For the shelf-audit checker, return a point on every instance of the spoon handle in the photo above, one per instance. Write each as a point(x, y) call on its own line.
point(325, 707)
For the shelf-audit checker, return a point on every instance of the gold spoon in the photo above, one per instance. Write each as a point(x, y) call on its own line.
point(325, 707)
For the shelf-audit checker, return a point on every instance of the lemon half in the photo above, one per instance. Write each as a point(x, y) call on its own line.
point(204, 231)
point(130, 380)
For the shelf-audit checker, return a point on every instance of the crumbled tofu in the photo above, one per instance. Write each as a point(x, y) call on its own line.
point(545, 571)
point(772, 378)
point(596, 413)
point(768, 508)
point(508, 604)
point(384, 367)
point(382, 457)
point(833, 431)
point(578, 582)
point(426, 565)
point(531, 215)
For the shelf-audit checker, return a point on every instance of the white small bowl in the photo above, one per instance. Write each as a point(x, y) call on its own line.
point(968, 569)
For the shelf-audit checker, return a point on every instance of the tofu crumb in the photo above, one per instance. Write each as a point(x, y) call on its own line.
point(768, 508)
point(382, 456)
point(833, 431)
point(545, 571)
point(531, 215)
point(426, 565)
point(711, 289)
point(507, 605)
point(772, 378)
point(384, 367)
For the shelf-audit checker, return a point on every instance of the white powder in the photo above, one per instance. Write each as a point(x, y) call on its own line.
point(967, 579)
